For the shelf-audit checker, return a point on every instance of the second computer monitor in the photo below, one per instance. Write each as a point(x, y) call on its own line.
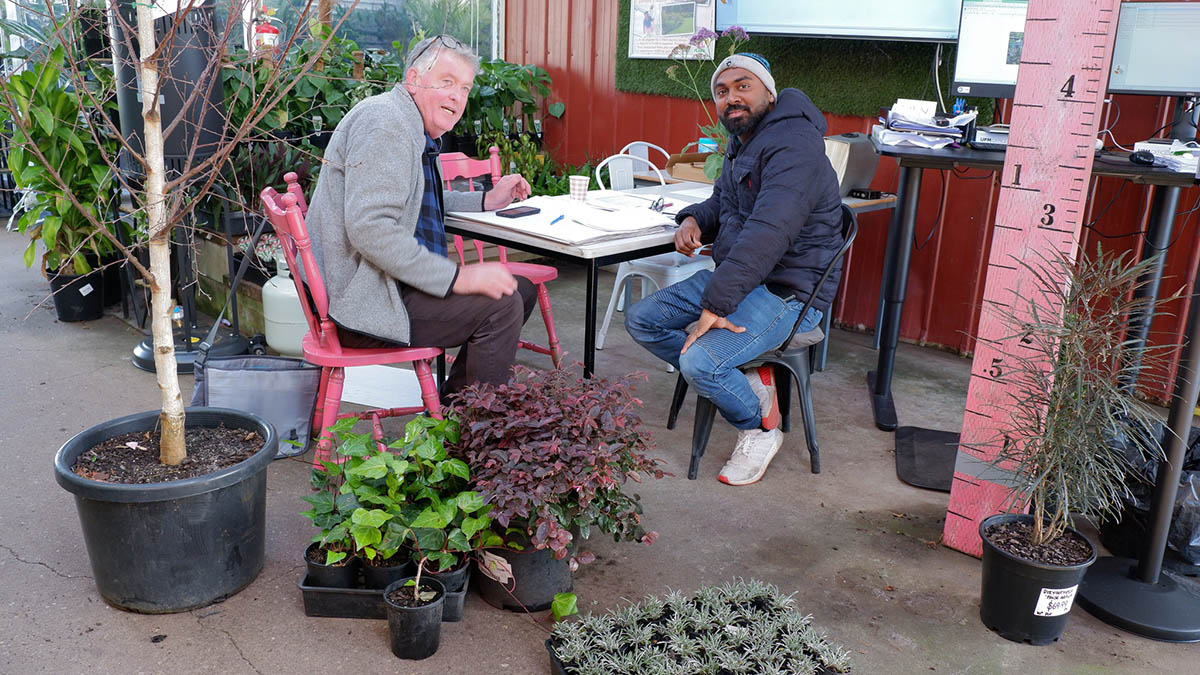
point(990, 36)
point(1156, 50)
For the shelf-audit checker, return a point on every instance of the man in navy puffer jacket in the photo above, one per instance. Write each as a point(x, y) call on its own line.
point(774, 222)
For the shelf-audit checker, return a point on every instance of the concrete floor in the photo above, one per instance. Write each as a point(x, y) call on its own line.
point(856, 546)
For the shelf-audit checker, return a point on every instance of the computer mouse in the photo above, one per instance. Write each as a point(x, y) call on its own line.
point(1143, 157)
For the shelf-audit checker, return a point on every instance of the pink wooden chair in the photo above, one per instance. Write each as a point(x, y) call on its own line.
point(458, 165)
point(321, 347)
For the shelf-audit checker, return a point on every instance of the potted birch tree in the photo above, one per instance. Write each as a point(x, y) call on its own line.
point(197, 496)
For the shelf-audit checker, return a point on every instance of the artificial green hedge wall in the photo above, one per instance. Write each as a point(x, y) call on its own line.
point(843, 77)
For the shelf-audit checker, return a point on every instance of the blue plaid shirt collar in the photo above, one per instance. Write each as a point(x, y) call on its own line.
point(431, 230)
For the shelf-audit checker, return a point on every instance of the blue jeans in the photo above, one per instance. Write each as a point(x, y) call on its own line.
point(659, 323)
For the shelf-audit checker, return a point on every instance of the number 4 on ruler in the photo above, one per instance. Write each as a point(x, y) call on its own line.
point(1060, 87)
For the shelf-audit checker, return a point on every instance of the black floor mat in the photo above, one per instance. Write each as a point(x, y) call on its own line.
point(925, 457)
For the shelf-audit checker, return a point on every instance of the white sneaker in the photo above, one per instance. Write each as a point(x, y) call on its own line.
point(753, 453)
point(762, 381)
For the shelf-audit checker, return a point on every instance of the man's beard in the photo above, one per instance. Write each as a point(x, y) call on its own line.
point(745, 124)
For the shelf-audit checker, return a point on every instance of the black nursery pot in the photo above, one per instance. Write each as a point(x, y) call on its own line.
point(415, 631)
point(332, 576)
point(78, 297)
point(1022, 600)
point(537, 576)
point(380, 576)
point(178, 545)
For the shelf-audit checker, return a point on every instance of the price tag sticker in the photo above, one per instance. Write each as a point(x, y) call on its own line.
point(1055, 601)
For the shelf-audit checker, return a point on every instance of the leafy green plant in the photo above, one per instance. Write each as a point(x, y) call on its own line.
point(551, 451)
point(506, 91)
point(440, 518)
point(1069, 374)
point(409, 494)
point(739, 627)
point(55, 142)
point(358, 493)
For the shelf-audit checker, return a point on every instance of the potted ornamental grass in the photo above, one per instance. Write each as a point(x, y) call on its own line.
point(738, 627)
point(553, 454)
point(1071, 416)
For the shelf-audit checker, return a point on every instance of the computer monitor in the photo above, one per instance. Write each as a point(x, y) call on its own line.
point(990, 35)
point(1157, 50)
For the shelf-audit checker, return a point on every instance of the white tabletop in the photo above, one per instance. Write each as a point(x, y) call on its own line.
point(488, 224)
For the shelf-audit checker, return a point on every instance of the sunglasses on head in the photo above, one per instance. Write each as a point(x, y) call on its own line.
point(447, 41)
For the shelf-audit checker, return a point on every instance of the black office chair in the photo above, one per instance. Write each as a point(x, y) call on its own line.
point(792, 360)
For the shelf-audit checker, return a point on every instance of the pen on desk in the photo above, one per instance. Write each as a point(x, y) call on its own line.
point(560, 217)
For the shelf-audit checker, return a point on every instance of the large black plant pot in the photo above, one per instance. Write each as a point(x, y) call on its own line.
point(174, 546)
point(537, 576)
point(1022, 600)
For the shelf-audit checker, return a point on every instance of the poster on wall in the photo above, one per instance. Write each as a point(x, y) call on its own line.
point(657, 28)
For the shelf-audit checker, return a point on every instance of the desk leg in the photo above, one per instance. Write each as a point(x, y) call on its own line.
point(889, 258)
point(589, 321)
point(899, 253)
point(1158, 237)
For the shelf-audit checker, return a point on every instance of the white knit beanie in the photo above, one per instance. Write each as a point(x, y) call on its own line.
point(752, 62)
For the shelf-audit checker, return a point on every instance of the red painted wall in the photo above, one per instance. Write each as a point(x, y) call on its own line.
point(575, 41)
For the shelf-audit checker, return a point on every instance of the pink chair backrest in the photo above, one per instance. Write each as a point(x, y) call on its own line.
point(293, 188)
point(458, 165)
point(285, 214)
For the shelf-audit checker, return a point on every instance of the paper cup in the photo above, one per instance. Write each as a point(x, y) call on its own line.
point(579, 187)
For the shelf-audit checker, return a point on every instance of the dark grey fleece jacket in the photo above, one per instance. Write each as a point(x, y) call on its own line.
point(363, 217)
point(774, 217)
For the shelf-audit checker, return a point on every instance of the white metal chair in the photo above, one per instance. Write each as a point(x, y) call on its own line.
point(654, 272)
point(620, 171)
point(642, 149)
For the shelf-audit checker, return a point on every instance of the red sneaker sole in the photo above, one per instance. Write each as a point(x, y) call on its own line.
point(774, 417)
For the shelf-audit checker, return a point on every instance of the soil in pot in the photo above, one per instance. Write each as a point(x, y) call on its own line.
point(342, 574)
point(1016, 538)
point(133, 458)
point(414, 623)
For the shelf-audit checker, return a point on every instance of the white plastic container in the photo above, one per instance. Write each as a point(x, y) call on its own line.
point(284, 318)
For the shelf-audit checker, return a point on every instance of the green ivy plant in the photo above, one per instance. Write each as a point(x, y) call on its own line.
point(54, 122)
point(440, 517)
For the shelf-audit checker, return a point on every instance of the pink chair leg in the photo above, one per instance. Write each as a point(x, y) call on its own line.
point(329, 412)
point(429, 393)
point(318, 418)
point(548, 317)
point(377, 431)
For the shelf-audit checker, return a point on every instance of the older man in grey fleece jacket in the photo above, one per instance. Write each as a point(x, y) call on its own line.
point(376, 222)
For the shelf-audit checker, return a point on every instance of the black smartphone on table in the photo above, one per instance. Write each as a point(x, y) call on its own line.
point(518, 211)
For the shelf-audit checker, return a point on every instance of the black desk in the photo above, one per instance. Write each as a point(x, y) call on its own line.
point(898, 252)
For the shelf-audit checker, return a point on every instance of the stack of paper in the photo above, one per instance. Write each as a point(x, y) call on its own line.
point(564, 220)
point(916, 123)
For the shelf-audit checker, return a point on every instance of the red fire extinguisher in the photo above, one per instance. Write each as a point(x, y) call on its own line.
point(266, 37)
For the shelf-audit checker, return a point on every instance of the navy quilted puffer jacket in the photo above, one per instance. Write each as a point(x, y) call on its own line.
point(774, 217)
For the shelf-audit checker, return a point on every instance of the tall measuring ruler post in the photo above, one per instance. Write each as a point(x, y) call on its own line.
point(1060, 88)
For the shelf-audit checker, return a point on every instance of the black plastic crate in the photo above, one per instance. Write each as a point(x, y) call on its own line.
point(364, 603)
